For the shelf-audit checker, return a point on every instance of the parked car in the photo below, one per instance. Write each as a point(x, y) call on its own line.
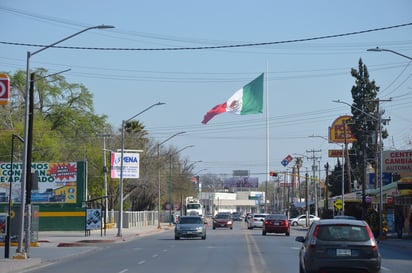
point(256, 220)
point(223, 220)
point(339, 245)
point(301, 220)
point(276, 223)
point(189, 227)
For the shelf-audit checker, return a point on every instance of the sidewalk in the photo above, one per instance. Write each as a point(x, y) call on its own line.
point(55, 245)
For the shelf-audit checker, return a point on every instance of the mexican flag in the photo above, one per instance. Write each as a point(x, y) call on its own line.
point(247, 100)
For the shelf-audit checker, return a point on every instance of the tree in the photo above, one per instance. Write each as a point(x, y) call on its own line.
point(364, 124)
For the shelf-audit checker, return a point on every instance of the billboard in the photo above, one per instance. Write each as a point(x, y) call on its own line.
point(241, 182)
point(397, 161)
point(57, 182)
point(130, 165)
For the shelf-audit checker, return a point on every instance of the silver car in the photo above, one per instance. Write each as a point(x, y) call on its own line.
point(339, 245)
point(190, 227)
point(256, 220)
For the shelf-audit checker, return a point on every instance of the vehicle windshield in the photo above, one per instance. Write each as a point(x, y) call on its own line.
point(193, 206)
point(222, 216)
point(342, 233)
point(190, 220)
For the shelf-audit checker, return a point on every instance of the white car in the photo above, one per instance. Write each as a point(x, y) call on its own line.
point(301, 220)
point(256, 220)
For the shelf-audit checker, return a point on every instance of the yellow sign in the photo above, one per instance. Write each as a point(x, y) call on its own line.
point(340, 131)
point(338, 203)
point(335, 153)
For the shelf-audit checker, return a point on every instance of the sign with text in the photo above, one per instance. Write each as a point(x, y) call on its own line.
point(397, 161)
point(340, 131)
point(130, 165)
point(57, 182)
point(4, 89)
point(335, 153)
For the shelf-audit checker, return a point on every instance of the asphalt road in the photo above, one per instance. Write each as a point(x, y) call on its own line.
point(225, 251)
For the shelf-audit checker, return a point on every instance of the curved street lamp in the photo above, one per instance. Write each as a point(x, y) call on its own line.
point(27, 143)
point(120, 218)
point(377, 49)
point(158, 174)
point(170, 180)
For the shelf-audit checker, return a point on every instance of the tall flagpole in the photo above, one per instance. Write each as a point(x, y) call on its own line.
point(267, 140)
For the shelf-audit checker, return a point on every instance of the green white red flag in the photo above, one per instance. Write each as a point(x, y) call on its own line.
point(247, 100)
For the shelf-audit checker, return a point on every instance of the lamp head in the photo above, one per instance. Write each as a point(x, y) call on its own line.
point(377, 49)
point(103, 26)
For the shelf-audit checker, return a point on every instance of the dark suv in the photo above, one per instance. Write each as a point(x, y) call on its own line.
point(339, 245)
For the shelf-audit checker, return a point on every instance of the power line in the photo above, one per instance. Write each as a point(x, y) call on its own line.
point(217, 46)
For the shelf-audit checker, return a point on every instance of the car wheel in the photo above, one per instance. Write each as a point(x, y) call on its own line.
point(177, 237)
point(263, 232)
point(204, 237)
point(231, 227)
point(294, 224)
point(287, 234)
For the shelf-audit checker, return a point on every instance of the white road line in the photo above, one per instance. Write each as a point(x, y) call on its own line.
point(155, 255)
point(123, 271)
point(141, 262)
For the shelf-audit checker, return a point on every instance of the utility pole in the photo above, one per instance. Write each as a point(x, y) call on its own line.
point(314, 167)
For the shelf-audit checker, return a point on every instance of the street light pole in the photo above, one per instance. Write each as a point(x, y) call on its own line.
point(120, 218)
point(170, 181)
point(158, 174)
point(19, 251)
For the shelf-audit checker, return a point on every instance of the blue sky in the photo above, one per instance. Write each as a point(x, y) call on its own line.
point(302, 77)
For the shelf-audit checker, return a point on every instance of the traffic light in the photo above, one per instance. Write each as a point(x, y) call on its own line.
point(273, 173)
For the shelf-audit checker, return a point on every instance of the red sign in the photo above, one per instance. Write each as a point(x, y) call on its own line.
point(4, 89)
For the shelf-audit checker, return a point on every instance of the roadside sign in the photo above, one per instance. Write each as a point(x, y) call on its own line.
point(338, 203)
point(4, 89)
point(335, 153)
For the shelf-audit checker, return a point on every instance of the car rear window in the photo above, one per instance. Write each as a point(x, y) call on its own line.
point(259, 216)
point(190, 220)
point(276, 217)
point(342, 233)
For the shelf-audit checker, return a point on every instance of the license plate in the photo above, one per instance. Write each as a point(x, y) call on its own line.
point(276, 223)
point(343, 252)
point(222, 225)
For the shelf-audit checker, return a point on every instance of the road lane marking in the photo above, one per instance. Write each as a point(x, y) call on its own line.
point(256, 261)
point(141, 262)
point(123, 271)
point(155, 255)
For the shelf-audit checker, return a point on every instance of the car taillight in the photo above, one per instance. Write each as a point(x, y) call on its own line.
point(312, 242)
point(267, 222)
point(372, 238)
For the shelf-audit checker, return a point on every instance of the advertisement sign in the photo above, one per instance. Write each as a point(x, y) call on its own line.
point(4, 89)
point(340, 131)
point(130, 165)
point(93, 219)
point(241, 182)
point(57, 182)
point(397, 161)
point(335, 153)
